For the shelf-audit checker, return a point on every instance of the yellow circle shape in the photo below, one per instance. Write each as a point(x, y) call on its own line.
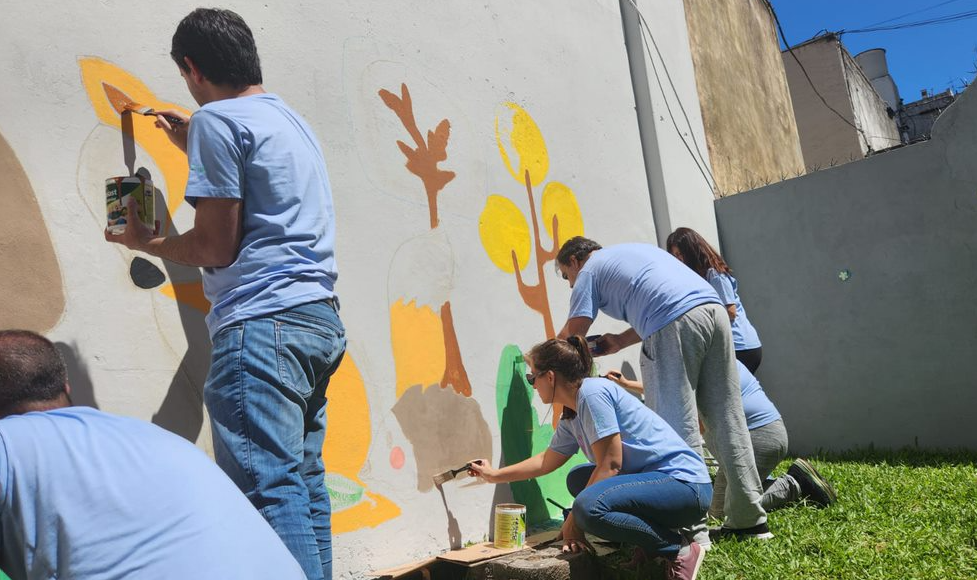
point(503, 229)
point(559, 201)
point(524, 138)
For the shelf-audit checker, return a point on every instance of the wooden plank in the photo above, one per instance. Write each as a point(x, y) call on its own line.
point(477, 553)
point(487, 551)
point(402, 570)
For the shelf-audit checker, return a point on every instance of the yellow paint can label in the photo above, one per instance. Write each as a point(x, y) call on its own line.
point(510, 525)
point(118, 191)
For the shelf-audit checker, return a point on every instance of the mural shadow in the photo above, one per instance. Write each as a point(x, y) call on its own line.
point(454, 530)
point(82, 389)
point(181, 411)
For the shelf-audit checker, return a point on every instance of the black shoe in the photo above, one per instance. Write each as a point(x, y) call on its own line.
point(757, 532)
point(813, 485)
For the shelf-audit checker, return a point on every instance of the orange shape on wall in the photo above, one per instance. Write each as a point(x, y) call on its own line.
point(171, 161)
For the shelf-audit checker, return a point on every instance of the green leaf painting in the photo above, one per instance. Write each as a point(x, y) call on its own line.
point(343, 492)
point(523, 436)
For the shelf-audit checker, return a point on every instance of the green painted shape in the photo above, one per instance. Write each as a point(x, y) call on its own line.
point(4, 576)
point(523, 436)
point(343, 492)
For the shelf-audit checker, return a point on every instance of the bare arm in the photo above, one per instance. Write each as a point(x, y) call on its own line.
point(213, 241)
point(578, 325)
point(625, 383)
point(731, 311)
point(537, 465)
point(609, 454)
point(612, 343)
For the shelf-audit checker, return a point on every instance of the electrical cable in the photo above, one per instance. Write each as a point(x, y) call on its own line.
point(911, 13)
point(807, 76)
point(949, 18)
point(704, 166)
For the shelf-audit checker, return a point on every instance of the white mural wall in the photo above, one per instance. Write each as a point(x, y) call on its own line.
point(464, 141)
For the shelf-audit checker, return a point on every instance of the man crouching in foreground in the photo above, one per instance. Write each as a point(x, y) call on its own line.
point(85, 494)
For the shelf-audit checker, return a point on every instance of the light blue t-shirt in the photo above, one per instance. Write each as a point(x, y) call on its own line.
point(744, 335)
point(640, 284)
point(258, 150)
point(759, 410)
point(648, 442)
point(86, 495)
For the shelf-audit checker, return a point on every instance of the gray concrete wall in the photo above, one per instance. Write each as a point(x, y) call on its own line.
point(826, 139)
point(746, 107)
point(860, 280)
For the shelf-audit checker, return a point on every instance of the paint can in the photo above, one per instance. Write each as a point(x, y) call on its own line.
point(118, 190)
point(510, 525)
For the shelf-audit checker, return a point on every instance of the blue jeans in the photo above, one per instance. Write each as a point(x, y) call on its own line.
point(645, 509)
point(266, 395)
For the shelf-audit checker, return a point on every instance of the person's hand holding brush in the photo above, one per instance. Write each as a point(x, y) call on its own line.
point(633, 386)
point(482, 468)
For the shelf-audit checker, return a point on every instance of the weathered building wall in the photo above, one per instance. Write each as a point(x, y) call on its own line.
point(859, 124)
point(430, 296)
point(826, 139)
point(878, 128)
point(860, 282)
point(746, 105)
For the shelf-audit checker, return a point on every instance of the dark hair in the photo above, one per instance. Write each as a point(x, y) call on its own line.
point(220, 44)
point(31, 370)
point(570, 358)
point(696, 252)
point(579, 247)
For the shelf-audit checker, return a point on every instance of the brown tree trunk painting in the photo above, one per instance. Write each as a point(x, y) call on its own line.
point(423, 162)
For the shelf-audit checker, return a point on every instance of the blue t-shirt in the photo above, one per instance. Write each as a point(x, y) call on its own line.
point(759, 410)
point(744, 335)
point(640, 284)
point(258, 150)
point(648, 442)
point(85, 495)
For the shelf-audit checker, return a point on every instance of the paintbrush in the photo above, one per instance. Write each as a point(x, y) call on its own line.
point(122, 104)
point(450, 474)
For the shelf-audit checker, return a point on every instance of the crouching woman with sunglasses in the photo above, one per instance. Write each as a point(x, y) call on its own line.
point(644, 482)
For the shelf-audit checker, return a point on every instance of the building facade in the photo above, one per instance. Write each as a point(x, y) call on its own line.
point(840, 115)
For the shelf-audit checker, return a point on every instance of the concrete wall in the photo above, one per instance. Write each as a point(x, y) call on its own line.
point(666, 100)
point(826, 139)
point(860, 281)
point(878, 129)
point(436, 320)
point(745, 102)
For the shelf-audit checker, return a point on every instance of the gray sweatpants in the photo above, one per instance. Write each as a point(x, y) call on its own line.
point(769, 449)
point(688, 368)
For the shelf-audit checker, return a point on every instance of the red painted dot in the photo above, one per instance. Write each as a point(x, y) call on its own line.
point(396, 457)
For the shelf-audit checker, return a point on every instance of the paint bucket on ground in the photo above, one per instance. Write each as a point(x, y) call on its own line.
point(510, 525)
point(118, 190)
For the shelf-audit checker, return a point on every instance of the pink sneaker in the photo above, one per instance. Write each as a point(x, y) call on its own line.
point(685, 567)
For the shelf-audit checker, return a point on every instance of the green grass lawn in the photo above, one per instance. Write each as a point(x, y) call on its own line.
point(900, 515)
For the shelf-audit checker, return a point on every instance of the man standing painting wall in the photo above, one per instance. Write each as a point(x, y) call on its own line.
point(264, 233)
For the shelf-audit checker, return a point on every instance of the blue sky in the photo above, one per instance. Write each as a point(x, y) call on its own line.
point(930, 57)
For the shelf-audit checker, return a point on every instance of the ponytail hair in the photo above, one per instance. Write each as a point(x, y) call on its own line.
point(571, 358)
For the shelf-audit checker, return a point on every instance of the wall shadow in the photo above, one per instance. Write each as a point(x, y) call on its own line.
point(181, 411)
point(82, 389)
